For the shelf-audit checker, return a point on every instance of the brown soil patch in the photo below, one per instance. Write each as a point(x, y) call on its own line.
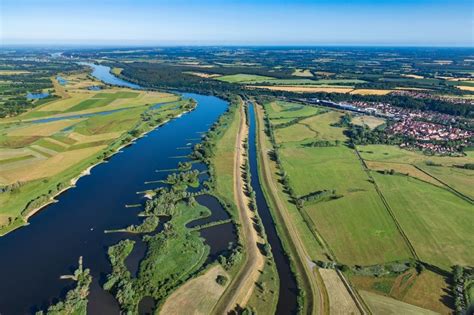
point(197, 296)
point(340, 301)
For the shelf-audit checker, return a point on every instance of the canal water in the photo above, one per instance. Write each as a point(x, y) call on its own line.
point(287, 298)
point(34, 257)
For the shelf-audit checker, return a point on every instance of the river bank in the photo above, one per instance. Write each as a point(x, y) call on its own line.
point(110, 150)
point(76, 224)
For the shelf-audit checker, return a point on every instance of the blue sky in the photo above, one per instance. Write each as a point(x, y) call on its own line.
point(270, 22)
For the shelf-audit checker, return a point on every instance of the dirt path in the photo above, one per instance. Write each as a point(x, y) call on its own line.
point(241, 287)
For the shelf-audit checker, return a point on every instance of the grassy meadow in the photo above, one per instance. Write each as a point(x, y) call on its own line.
point(420, 207)
point(356, 226)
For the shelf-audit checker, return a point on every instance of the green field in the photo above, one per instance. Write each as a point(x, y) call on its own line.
point(444, 169)
point(420, 208)
point(356, 226)
point(242, 78)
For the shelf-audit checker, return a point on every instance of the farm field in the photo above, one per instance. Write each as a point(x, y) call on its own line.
point(45, 149)
point(438, 170)
point(370, 228)
point(340, 301)
point(385, 305)
point(258, 79)
point(197, 296)
point(420, 207)
point(426, 290)
point(288, 86)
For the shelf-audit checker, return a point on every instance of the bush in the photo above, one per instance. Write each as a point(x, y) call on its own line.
point(221, 280)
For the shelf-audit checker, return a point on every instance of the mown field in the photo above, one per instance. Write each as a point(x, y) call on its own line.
point(42, 150)
point(420, 208)
point(444, 171)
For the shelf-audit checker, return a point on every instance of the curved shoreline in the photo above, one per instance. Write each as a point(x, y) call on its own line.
point(85, 172)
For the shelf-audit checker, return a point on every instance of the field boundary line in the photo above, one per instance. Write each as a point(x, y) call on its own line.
point(358, 300)
point(451, 189)
point(387, 207)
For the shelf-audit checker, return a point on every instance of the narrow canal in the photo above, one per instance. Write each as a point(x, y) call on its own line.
point(287, 298)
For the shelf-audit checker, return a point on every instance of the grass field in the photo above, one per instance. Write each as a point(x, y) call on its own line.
point(420, 207)
point(385, 305)
point(264, 299)
point(441, 172)
point(244, 78)
point(224, 161)
point(356, 226)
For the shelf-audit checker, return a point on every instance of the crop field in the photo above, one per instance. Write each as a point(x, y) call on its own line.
point(340, 301)
point(309, 87)
point(420, 207)
point(244, 78)
point(380, 304)
point(197, 296)
point(426, 290)
point(438, 170)
point(357, 225)
point(39, 155)
point(371, 92)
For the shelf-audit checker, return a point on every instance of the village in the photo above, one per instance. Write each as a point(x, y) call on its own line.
point(429, 131)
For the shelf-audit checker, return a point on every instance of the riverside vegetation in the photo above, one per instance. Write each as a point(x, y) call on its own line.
point(80, 130)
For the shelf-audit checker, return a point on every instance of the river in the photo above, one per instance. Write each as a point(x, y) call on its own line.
point(34, 257)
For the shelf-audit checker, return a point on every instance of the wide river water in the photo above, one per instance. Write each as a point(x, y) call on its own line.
point(33, 258)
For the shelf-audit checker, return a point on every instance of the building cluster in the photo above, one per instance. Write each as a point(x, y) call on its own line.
point(435, 138)
point(431, 131)
point(425, 130)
